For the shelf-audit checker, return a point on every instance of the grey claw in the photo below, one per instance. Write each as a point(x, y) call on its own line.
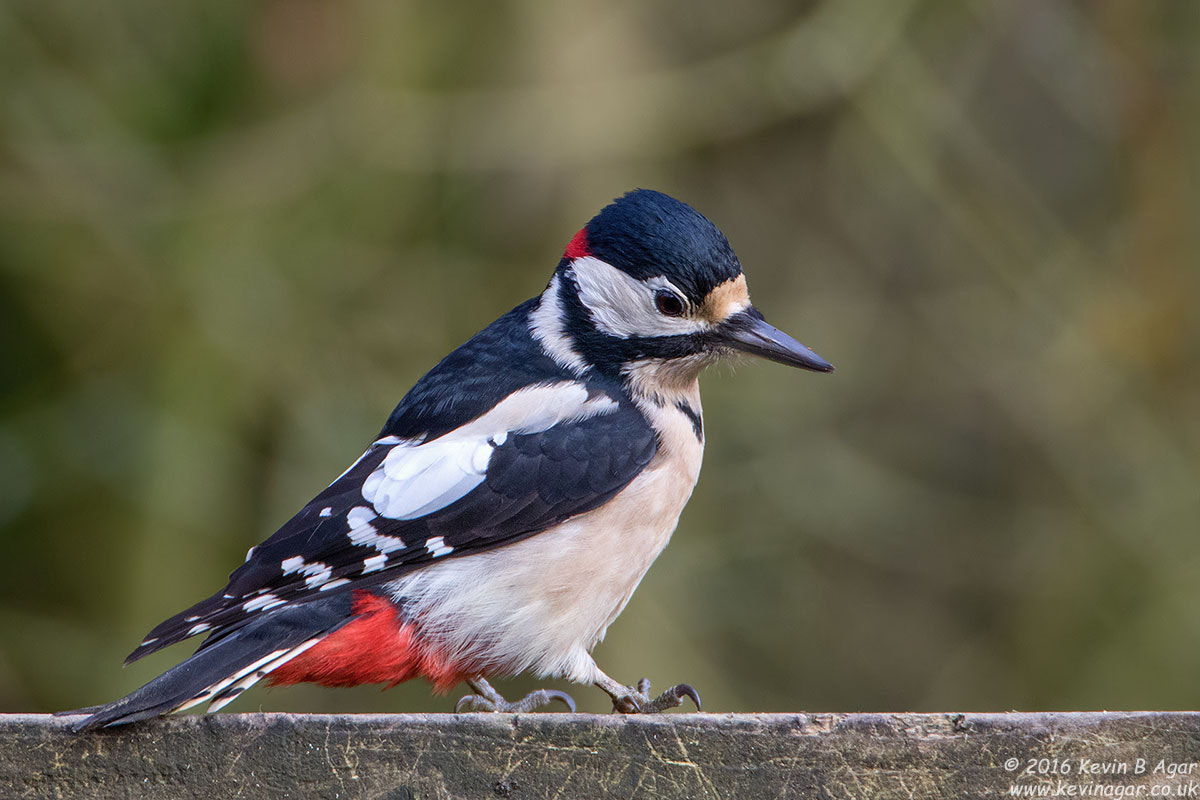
point(684, 690)
point(636, 700)
point(566, 699)
point(628, 704)
point(467, 700)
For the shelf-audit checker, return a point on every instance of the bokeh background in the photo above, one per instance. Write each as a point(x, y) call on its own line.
point(233, 234)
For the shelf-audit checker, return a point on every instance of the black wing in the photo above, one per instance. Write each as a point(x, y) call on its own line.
point(532, 482)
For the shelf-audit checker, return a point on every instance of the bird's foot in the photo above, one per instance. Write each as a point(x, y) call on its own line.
point(488, 699)
point(636, 700)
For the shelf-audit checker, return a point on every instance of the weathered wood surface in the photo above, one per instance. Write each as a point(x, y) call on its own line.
point(1147, 754)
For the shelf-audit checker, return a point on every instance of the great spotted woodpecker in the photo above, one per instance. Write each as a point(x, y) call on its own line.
point(514, 499)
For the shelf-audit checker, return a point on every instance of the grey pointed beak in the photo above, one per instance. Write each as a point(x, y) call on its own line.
point(749, 332)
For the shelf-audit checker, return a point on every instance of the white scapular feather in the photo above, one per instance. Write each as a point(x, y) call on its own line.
point(419, 478)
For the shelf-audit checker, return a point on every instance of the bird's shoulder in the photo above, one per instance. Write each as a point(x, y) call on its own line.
point(499, 360)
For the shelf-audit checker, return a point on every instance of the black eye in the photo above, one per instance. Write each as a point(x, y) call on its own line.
point(669, 303)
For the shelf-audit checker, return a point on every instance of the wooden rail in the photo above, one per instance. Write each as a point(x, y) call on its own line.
point(403, 757)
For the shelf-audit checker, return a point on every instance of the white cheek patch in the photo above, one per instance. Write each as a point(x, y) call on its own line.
point(623, 306)
point(416, 479)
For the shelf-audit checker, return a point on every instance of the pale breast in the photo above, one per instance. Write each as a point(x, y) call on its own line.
point(541, 604)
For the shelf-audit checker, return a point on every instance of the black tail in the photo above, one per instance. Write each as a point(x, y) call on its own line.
point(220, 671)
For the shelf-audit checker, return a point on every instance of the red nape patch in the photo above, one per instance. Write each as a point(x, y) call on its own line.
point(578, 246)
point(377, 646)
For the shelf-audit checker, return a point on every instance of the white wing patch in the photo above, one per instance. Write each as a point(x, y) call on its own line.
point(418, 478)
point(413, 481)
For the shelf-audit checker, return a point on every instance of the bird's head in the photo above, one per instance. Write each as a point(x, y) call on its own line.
point(650, 287)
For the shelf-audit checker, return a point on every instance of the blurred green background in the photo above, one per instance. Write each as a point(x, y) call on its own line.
point(233, 234)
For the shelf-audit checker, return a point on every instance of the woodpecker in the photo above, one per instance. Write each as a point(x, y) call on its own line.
point(513, 501)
